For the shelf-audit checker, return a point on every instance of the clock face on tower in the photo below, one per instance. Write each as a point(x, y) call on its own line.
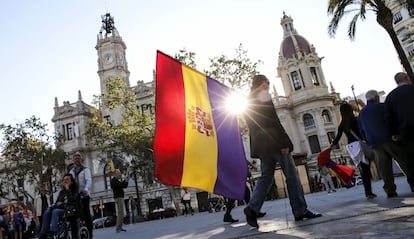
point(107, 58)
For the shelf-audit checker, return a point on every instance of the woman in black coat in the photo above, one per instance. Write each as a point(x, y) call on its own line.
point(349, 126)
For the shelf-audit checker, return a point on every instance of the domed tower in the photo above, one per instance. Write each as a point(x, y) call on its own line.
point(307, 109)
point(299, 65)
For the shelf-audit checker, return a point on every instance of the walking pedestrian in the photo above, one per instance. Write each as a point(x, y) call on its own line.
point(349, 126)
point(270, 142)
point(134, 211)
point(186, 200)
point(375, 130)
point(399, 115)
point(327, 179)
point(118, 184)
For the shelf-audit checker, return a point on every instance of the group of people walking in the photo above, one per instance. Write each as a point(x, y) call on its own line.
point(388, 128)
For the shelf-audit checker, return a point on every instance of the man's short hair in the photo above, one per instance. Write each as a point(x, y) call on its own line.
point(77, 153)
point(400, 77)
point(371, 94)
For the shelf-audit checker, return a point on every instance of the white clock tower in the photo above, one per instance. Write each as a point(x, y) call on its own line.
point(111, 61)
point(111, 53)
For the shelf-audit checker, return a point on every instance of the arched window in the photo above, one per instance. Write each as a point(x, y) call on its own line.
point(314, 144)
point(296, 80)
point(314, 76)
point(326, 117)
point(308, 121)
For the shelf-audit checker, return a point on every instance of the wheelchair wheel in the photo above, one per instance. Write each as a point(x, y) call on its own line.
point(83, 233)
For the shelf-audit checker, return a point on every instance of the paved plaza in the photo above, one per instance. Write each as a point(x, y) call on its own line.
point(346, 214)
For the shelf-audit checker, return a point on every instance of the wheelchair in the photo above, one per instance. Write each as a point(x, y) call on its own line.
point(65, 228)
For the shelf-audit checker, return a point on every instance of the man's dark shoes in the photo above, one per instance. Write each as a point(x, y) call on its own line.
point(392, 195)
point(251, 217)
point(120, 230)
point(43, 236)
point(261, 214)
point(50, 235)
point(309, 215)
point(229, 219)
point(371, 195)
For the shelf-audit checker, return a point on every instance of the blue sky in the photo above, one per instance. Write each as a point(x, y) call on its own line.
point(48, 47)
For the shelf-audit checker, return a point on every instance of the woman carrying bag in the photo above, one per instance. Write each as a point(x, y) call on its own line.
point(349, 126)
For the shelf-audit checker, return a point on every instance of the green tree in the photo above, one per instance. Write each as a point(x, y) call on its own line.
point(186, 57)
point(29, 158)
point(132, 135)
point(236, 72)
point(339, 8)
point(128, 139)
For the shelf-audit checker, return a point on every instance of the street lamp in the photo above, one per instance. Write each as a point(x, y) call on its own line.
point(133, 162)
point(356, 101)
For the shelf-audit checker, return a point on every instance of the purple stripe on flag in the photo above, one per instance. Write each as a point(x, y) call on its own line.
point(231, 163)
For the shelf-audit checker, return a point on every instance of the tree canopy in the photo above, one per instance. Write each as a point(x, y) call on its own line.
point(29, 157)
point(340, 8)
point(236, 72)
point(130, 139)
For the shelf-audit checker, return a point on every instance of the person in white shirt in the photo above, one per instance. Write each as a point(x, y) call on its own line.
point(186, 200)
point(83, 178)
point(41, 203)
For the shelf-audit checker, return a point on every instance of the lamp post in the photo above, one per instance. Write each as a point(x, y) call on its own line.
point(133, 162)
point(356, 101)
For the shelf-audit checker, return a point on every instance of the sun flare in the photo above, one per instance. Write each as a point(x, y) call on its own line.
point(236, 103)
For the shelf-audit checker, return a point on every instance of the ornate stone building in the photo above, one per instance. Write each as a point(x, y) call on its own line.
point(403, 21)
point(308, 111)
point(71, 120)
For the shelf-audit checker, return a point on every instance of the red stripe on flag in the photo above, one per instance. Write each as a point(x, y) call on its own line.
point(170, 120)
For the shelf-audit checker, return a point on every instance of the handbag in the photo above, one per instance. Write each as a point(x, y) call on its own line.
point(366, 149)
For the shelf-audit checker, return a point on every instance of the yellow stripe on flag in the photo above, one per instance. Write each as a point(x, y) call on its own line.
point(200, 157)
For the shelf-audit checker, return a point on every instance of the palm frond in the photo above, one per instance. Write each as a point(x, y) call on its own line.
point(338, 9)
point(352, 27)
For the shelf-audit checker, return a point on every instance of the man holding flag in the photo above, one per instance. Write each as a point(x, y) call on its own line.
point(270, 142)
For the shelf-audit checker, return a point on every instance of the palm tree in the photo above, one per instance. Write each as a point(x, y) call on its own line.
point(339, 8)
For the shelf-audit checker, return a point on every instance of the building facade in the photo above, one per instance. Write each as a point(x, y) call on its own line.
point(71, 121)
point(403, 21)
point(308, 111)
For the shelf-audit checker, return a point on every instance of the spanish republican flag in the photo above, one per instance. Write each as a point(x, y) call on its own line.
point(197, 142)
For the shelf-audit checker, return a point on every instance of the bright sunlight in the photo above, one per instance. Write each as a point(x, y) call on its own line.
point(236, 103)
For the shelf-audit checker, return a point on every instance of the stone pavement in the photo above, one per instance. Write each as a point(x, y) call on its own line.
point(346, 214)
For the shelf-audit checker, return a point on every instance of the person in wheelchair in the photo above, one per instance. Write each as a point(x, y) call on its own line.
point(67, 204)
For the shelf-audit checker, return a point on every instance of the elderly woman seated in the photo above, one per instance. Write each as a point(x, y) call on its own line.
point(68, 199)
